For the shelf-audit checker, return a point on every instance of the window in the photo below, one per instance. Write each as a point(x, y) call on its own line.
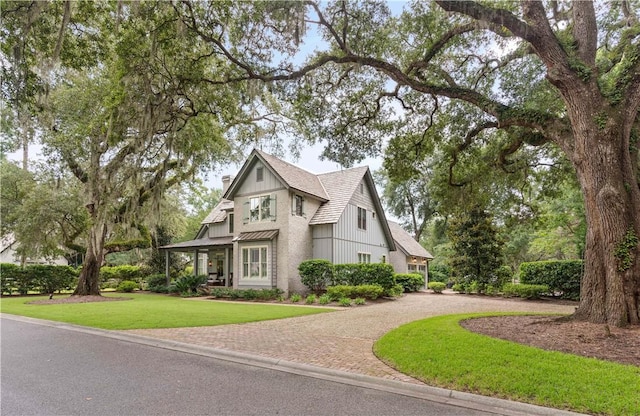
point(231, 217)
point(362, 218)
point(298, 208)
point(364, 257)
point(260, 208)
point(259, 174)
point(254, 263)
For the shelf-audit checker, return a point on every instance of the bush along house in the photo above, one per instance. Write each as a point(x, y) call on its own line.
point(274, 215)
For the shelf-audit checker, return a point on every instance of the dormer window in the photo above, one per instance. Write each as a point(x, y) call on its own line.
point(259, 174)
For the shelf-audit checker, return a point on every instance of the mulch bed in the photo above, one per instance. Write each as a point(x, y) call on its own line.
point(600, 341)
point(76, 299)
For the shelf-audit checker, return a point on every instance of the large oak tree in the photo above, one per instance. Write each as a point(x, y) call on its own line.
point(552, 74)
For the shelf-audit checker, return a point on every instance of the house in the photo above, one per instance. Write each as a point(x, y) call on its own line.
point(273, 215)
point(410, 256)
point(8, 254)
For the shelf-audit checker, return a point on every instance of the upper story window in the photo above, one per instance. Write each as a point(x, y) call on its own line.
point(231, 217)
point(260, 208)
point(298, 205)
point(259, 174)
point(362, 218)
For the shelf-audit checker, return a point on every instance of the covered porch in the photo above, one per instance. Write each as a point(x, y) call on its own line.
point(212, 257)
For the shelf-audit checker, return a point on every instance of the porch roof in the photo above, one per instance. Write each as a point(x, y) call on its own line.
point(257, 235)
point(198, 244)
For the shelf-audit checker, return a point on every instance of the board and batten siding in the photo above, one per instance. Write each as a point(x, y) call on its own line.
point(323, 242)
point(268, 184)
point(219, 229)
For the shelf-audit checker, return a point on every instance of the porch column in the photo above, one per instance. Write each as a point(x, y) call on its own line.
point(166, 267)
point(226, 266)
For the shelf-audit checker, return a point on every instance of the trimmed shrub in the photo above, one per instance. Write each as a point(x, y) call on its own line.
point(123, 272)
point(324, 299)
point(524, 291)
point(359, 301)
point(344, 302)
point(411, 282)
point(42, 278)
point(394, 291)
point(364, 274)
point(562, 277)
point(437, 287)
point(458, 287)
point(316, 274)
point(310, 299)
point(127, 286)
point(295, 298)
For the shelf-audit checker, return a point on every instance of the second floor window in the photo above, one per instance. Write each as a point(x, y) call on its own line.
point(230, 223)
point(298, 205)
point(362, 218)
point(260, 208)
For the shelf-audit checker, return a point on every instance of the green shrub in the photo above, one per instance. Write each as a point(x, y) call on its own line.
point(311, 299)
point(8, 277)
point(42, 278)
point(395, 291)
point(127, 286)
point(344, 302)
point(458, 287)
point(473, 287)
point(437, 287)
point(364, 291)
point(157, 283)
point(439, 273)
point(316, 274)
point(524, 291)
point(188, 285)
point(491, 290)
point(324, 299)
point(359, 301)
point(295, 298)
point(411, 282)
point(123, 272)
point(562, 277)
point(364, 274)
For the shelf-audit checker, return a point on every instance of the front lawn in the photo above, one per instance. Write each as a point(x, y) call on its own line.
point(152, 311)
point(441, 353)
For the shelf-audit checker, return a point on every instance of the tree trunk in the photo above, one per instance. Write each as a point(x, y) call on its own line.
point(89, 281)
point(610, 287)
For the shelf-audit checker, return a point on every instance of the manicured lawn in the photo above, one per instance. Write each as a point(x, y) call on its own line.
point(152, 311)
point(441, 353)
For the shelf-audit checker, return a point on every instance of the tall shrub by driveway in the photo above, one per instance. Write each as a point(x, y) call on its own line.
point(316, 274)
point(355, 274)
point(562, 277)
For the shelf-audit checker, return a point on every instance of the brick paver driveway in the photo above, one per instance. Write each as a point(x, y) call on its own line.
point(342, 340)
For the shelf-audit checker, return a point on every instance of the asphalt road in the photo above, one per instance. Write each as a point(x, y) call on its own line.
point(52, 371)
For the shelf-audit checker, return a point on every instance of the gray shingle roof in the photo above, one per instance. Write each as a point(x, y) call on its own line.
point(219, 212)
point(295, 177)
point(340, 186)
point(406, 242)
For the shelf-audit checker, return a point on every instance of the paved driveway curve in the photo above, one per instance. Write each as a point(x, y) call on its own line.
point(343, 340)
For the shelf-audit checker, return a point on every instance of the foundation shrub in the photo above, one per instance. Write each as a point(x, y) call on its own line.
point(316, 274)
point(356, 274)
point(437, 287)
point(347, 291)
point(324, 299)
point(411, 282)
point(524, 291)
point(395, 291)
point(310, 299)
point(295, 298)
point(344, 302)
point(188, 285)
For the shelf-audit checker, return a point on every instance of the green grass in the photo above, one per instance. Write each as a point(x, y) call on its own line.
point(152, 311)
point(441, 353)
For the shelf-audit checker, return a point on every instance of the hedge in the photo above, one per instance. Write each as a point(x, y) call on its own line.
point(364, 274)
point(360, 291)
point(562, 277)
point(411, 282)
point(36, 278)
point(316, 274)
point(524, 291)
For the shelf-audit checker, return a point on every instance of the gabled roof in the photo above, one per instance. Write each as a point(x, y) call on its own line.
point(340, 186)
point(406, 243)
point(219, 212)
point(289, 175)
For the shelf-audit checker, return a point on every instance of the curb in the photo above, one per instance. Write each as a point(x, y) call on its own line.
point(433, 394)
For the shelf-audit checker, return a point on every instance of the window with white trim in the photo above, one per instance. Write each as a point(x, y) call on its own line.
point(364, 257)
point(254, 263)
point(362, 218)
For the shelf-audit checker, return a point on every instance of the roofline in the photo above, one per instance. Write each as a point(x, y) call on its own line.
point(378, 204)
